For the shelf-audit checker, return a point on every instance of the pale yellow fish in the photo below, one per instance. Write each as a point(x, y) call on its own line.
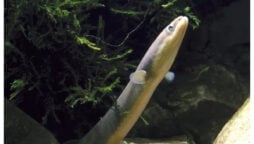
point(118, 121)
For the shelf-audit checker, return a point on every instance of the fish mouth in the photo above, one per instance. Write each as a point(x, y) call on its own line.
point(180, 19)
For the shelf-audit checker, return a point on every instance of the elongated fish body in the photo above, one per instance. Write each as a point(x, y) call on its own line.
point(117, 122)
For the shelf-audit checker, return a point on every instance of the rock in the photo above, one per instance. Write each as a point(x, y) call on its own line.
point(223, 37)
point(197, 104)
point(175, 140)
point(22, 129)
point(237, 129)
point(160, 124)
point(74, 141)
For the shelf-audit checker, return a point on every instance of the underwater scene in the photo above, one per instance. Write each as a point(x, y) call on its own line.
point(127, 71)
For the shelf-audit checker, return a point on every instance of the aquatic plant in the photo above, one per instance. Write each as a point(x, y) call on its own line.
point(61, 55)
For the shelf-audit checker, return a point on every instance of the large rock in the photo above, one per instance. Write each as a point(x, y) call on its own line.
point(223, 37)
point(174, 140)
point(237, 129)
point(22, 129)
point(196, 104)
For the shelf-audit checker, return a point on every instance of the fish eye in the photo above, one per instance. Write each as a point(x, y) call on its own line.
point(171, 28)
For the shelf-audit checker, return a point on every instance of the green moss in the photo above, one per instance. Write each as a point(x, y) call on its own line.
point(83, 40)
point(76, 53)
point(126, 12)
point(168, 4)
point(117, 57)
point(17, 86)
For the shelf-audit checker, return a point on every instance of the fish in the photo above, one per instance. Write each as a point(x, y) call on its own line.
point(118, 120)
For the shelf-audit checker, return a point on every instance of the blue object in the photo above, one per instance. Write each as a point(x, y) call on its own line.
point(170, 76)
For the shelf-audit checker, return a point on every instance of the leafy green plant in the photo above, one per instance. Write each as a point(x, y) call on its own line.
point(17, 86)
point(182, 7)
point(75, 54)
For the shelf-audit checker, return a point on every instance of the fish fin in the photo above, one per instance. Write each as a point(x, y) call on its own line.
point(138, 77)
point(170, 76)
